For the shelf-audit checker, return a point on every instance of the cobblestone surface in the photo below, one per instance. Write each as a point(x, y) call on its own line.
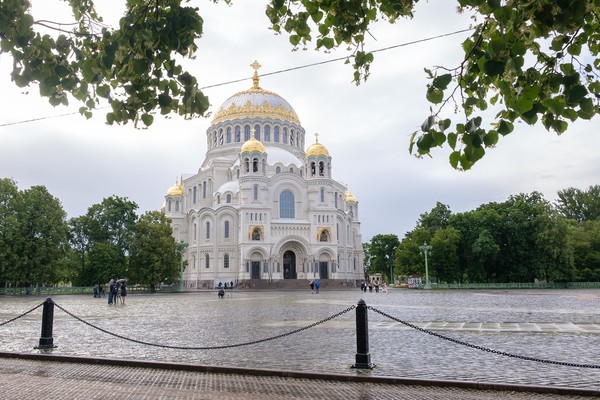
point(30, 379)
point(558, 325)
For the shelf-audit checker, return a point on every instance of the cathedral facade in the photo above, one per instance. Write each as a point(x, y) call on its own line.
point(260, 206)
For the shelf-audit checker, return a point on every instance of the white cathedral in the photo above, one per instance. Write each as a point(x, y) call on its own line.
point(260, 207)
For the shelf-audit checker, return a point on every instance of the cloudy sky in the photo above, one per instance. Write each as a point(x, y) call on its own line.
point(366, 128)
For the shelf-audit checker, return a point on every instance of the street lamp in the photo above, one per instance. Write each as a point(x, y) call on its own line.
point(425, 249)
point(181, 246)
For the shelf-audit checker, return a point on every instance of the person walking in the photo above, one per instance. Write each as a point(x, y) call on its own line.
point(317, 286)
point(123, 292)
point(111, 286)
point(312, 286)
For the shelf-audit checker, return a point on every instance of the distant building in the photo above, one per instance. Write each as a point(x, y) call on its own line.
point(260, 207)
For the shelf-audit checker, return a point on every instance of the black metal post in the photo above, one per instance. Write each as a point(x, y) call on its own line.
point(363, 358)
point(46, 339)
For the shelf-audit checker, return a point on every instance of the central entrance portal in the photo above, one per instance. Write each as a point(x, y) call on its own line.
point(323, 273)
point(289, 265)
point(255, 274)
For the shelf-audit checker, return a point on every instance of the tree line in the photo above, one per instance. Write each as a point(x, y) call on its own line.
point(40, 247)
point(523, 239)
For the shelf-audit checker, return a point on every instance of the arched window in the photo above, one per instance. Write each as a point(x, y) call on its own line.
point(246, 132)
point(277, 170)
point(226, 230)
point(194, 194)
point(313, 169)
point(292, 170)
point(228, 200)
point(207, 230)
point(219, 199)
point(255, 165)
point(276, 135)
point(195, 231)
point(285, 135)
point(220, 137)
point(267, 133)
point(229, 135)
point(286, 205)
point(169, 208)
point(324, 236)
point(247, 164)
point(321, 168)
point(207, 261)
point(257, 132)
point(322, 195)
point(335, 196)
point(255, 192)
point(237, 134)
point(226, 261)
point(256, 234)
point(204, 189)
point(176, 205)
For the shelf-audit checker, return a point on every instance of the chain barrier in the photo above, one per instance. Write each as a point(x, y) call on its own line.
point(22, 315)
point(474, 346)
point(208, 347)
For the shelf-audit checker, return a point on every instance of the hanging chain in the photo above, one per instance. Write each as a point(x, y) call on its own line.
point(473, 346)
point(209, 347)
point(22, 315)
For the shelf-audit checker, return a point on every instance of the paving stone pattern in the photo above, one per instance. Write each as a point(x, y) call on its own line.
point(32, 380)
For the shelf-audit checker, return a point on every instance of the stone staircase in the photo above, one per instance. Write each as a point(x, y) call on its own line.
point(293, 284)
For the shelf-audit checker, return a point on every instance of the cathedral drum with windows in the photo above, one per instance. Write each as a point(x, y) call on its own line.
point(260, 207)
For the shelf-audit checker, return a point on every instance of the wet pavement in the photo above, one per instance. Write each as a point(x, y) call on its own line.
point(35, 379)
point(550, 325)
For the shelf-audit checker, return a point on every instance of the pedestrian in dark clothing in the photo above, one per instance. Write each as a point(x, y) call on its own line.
point(317, 286)
point(123, 292)
point(111, 291)
point(312, 286)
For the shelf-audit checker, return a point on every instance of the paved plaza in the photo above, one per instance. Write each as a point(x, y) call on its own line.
point(554, 335)
point(27, 379)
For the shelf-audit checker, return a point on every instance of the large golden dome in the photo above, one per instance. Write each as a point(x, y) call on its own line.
point(253, 146)
point(317, 149)
point(175, 190)
point(256, 102)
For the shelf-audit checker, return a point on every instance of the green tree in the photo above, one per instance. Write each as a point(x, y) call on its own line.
point(408, 259)
point(43, 231)
point(134, 67)
point(9, 234)
point(531, 60)
point(154, 254)
point(584, 239)
point(382, 249)
point(106, 231)
point(437, 218)
point(444, 257)
point(80, 239)
point(580, 205)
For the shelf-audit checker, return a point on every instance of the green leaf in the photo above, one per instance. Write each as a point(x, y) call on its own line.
point(428, 123)
point(560, 126)
point(454, 158)
point(147, 119)
point(452, 137)
point(442, 81)
point(587, 108)
point(490, 138)
point(493, 67)
point(434, 95)
point(505, 127)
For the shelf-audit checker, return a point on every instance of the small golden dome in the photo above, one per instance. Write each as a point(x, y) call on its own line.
point(253, 146)
point(350, 198)
point(176, 189)
point(317, 149)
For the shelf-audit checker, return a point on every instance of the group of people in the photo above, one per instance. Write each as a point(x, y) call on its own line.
point(314, 286)
point(373, 285)
point(221, 292)
point(117, 291)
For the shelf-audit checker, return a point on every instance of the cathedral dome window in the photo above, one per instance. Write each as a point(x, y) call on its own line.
point(228, 198)
point(237, 134)
point(267, 133)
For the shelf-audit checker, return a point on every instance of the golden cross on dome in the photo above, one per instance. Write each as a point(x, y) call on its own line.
point(316, 137)
point(256, 66)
